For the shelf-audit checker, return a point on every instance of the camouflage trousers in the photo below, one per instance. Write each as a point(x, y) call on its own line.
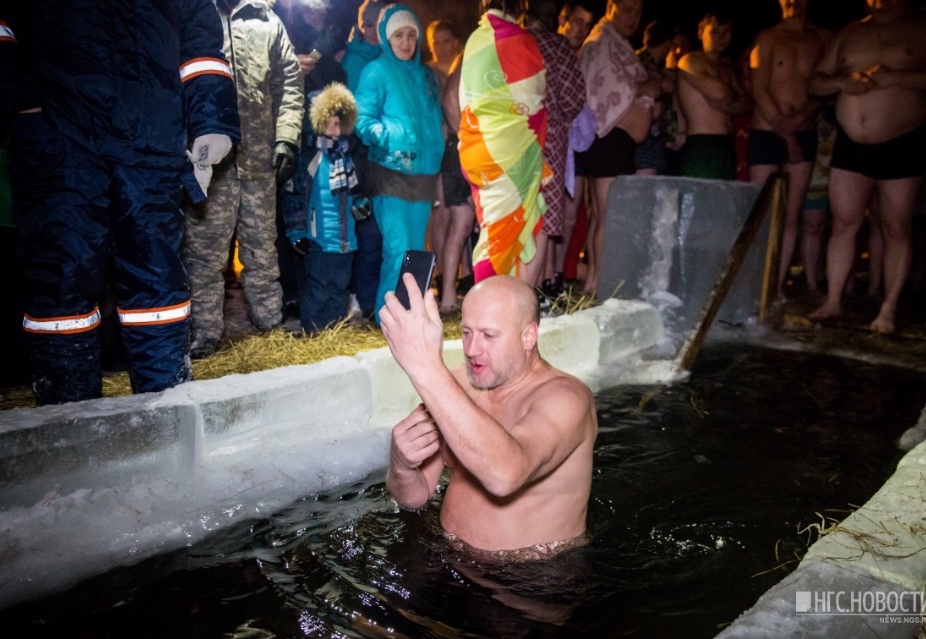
point(247, 208)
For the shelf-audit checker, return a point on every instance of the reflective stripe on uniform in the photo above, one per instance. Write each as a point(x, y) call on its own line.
point(153, 316)
point(6, 34)
point(62, 325)
point(203, 66)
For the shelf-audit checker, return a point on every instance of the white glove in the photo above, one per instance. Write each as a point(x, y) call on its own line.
point(208, 149)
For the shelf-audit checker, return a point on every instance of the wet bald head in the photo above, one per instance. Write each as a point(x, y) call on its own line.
point(500, 331)
point(517, 297)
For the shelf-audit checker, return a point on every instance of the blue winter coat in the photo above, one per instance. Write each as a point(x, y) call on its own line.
point(330, 224)
point(310, 209)
point(400, 113)
point(131, 88)
point(358, 55)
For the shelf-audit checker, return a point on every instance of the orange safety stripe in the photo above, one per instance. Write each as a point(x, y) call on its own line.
point(66, 325)
point(6, 34)
point(154, 316)
point(204, 66)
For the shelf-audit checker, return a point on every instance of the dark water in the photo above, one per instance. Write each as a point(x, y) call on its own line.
point(699, 492)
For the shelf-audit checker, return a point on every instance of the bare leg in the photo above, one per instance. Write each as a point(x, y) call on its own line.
point(552, 244)
point(646, 172)
point(849, 193)
point(466, 264)
point(875, 246)
point(759, 174)
point(896, 199)
point(439, 227)
point(461, 224)
point(530, 272)
point(798, 179)
point(814, 223)
point(596, 220)
point(571, 214)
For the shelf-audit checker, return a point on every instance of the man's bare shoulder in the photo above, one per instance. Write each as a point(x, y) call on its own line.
point(561, 388)
point(693, 62)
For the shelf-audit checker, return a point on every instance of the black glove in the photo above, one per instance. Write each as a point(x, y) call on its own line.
point(284, 161)
point(301, 246)
point(362, 208)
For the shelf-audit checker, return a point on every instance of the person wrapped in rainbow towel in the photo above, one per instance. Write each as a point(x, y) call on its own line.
point(502, 133)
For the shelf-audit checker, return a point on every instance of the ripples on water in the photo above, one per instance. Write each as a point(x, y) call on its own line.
point(698, 495)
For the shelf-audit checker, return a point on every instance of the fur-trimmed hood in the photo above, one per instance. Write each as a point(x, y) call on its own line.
point(334, 99)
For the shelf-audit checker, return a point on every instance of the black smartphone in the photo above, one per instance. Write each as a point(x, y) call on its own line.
point(421, 265)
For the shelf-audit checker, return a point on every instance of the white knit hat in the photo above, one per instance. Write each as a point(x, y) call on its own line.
point(399, 19)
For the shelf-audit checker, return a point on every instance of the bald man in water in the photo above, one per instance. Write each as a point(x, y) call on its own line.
point(877, 68)
point(516, 433)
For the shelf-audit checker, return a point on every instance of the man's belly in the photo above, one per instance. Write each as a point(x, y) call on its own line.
point(880, 115)
point(708, 121)
point(788, 103)
point(479, 520)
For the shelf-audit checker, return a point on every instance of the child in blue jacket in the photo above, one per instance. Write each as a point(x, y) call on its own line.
point(319, 207)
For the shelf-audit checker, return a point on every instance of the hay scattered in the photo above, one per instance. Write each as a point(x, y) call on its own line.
point(573, 302)
point(281, 347)
point(19, 397)
point(881, 544)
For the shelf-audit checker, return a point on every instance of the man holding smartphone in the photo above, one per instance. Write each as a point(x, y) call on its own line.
point(516, 433)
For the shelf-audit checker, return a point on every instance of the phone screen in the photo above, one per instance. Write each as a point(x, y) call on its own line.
point(421, 265)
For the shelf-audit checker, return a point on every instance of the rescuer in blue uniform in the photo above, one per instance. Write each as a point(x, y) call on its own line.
point(106, 100)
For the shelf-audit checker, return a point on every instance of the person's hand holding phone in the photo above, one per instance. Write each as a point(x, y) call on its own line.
point(415, 336)
point(307, 61)
point(421, 265)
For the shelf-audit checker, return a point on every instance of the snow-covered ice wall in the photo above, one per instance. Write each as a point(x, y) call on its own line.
point(91, 485)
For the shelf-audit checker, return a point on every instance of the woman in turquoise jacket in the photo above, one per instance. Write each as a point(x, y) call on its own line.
point(363, 44)
point(400, 121)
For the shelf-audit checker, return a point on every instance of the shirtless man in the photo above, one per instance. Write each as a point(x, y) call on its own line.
point(708, 95)
point(575, 22)
point(877, 66)
point(784, 127)
point(516, 434)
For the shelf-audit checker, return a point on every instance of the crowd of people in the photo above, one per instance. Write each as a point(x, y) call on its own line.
point(324, 155)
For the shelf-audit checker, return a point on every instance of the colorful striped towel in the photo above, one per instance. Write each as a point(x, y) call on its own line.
point(502, 132)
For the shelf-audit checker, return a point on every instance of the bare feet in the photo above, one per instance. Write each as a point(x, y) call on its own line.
point(884, 322)
point(827, 311)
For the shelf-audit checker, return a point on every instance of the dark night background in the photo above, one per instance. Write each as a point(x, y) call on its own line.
point(749, 16)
